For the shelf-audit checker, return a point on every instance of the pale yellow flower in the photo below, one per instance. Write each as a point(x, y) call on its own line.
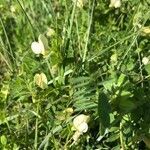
point(68, 110)
point(79, 120)
point(115, 3)
point(113, 58)
point(37, 48)
point(80, 124)
point(5, 90)
point(40, 46)
point(80, 3)
point(83, 127)
point(145, 31)
point(41, 80)
point(12, 9)
point(76, 136)
point(145, 60)
point(50, 32)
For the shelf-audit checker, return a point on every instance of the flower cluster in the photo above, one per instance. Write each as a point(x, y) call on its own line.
point(80, 125)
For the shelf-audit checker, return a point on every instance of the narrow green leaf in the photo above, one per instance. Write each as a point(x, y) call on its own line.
point(113, 137)
point(104, 109)
point(121, 79)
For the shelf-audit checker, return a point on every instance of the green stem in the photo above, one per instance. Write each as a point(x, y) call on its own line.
point(121, 137)
point(27, 19)
point(88, 32)
point(36, 129)
point(8, 42)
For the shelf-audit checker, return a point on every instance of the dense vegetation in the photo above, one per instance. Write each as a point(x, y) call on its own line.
point(74, 74)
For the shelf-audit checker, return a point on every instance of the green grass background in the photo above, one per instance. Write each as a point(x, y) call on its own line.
point(94, 65)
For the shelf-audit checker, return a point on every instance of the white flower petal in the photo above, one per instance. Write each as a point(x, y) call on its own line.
point(80, 3)
point(145, 60)
point(43, 41)
point(83, 127)
point(36, 47)
point(115, 3)
point(80, 119)
point(76, 136)
point(42, 48)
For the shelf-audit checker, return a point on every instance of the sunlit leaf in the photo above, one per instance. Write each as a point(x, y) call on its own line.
point(3, 140)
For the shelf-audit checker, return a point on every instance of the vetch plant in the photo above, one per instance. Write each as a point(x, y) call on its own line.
point(115, 3)
point(80, 125)
point(41, 46)
point(41, 80)
point(145, 31)
point(97, 63)
point(145, 60)
point(50, 32)
point(80, 3)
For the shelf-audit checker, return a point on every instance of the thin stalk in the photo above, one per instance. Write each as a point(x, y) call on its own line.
point(126, 53)
point(88, 32)
point(66, 40)
point(106, 49)
point(36, 129)
point(27, 19)
point(7, 39)
point(141, 71)
point(78, 37)
point(121, 137)
point(133, 42)
point(6, 61)
point(71, 20)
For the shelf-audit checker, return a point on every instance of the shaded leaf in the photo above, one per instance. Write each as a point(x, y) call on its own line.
point(104, 109)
